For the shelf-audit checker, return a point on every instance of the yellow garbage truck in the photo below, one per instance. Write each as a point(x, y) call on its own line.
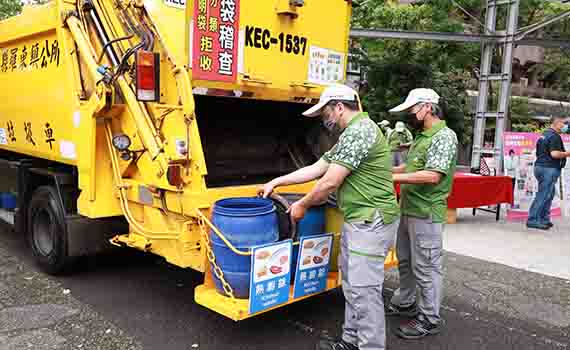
point(122, 122)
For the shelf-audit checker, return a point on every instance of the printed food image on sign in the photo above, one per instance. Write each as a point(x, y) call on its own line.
point(315, 252)
point(215, 40)
point(325, 66)
point(271, 275)
point(313, 265)
point(270, 263)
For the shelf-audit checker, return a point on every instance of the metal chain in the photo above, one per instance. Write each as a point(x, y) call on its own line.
point(212, 258)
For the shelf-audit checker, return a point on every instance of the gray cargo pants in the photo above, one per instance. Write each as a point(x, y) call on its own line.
point(364, 247)
point(419, 249)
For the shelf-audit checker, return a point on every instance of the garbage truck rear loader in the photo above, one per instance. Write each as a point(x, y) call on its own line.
point(123, 121)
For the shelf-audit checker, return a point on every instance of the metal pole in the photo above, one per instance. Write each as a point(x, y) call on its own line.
point(432, 36)
point(483, 98)
point(533, 28)
point(496, 37)
point(506, 83)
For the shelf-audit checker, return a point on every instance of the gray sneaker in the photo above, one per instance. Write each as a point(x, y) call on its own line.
point(418, 328)
point(336, 345)
point(396, 310)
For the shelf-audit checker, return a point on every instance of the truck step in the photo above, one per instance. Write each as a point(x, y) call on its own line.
point(7, 216)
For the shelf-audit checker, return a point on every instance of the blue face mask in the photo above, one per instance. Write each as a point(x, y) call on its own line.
point(565, 128)
point(330, 123)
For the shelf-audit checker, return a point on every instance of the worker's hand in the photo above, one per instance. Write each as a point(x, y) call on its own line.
point(399, 169)
point(396, 177)
point(266, 190)
point(297, 211)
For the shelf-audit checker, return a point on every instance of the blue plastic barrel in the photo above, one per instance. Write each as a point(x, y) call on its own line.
point(312, 224)
point(245, 222)
point(7, 200)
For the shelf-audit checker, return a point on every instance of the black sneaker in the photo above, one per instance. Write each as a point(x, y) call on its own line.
point(549, 224)
point(418, 328)
point(538, 226)
point(396, 310)
point(336, 345)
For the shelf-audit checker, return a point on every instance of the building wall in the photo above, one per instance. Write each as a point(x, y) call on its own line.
point(532, 54)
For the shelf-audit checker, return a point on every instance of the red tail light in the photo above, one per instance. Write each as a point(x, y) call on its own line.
point(174, 175)
point(148, 77)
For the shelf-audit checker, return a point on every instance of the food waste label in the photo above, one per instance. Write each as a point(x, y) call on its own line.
point(312, 265)
point(270, 276)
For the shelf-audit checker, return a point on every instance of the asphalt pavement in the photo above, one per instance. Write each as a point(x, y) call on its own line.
point(136, 301)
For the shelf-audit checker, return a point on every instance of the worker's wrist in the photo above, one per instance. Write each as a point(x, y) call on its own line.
point(303, 202)
point(276, 182)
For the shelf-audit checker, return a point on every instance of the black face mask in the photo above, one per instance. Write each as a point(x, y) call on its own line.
point(414, 123)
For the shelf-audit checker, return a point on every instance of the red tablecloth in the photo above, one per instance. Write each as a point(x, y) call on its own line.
point(472, 191)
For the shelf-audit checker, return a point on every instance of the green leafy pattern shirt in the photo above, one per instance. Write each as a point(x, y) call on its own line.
point(368, 189)
point(442, 151)
point(434, 149)
point(396, 139)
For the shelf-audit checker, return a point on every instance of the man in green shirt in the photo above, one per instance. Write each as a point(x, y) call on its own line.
point(385, 127)
point(400, 139)
point(426, 181)
point(359, 168)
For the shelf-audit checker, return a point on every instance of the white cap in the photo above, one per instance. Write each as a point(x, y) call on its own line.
point(332, 92)
point(417, 96)
point(400, 126)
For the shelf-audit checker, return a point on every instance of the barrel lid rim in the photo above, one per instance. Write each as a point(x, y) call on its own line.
point(265, 206)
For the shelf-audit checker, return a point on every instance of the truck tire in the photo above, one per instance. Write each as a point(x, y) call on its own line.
point(47, 233)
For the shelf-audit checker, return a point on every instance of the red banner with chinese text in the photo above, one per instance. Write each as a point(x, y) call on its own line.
point(215, 40)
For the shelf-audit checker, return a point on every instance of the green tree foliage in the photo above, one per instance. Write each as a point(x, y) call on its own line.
point(556, 68)
point(9, 8)
point(397, 66)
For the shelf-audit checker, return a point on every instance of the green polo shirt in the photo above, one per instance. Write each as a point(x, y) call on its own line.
point(368, 189)
point(396, 139)
point(434, 149)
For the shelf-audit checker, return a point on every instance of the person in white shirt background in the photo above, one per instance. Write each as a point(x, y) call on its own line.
point(512, 165)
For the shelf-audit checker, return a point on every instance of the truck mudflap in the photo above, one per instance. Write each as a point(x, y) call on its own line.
point(91, 236)
point(240, 309)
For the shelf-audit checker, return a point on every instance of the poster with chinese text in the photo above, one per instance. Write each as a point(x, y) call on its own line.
point(565, 180)
point(215, 40)
point(519, 157)
point(325, 66)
